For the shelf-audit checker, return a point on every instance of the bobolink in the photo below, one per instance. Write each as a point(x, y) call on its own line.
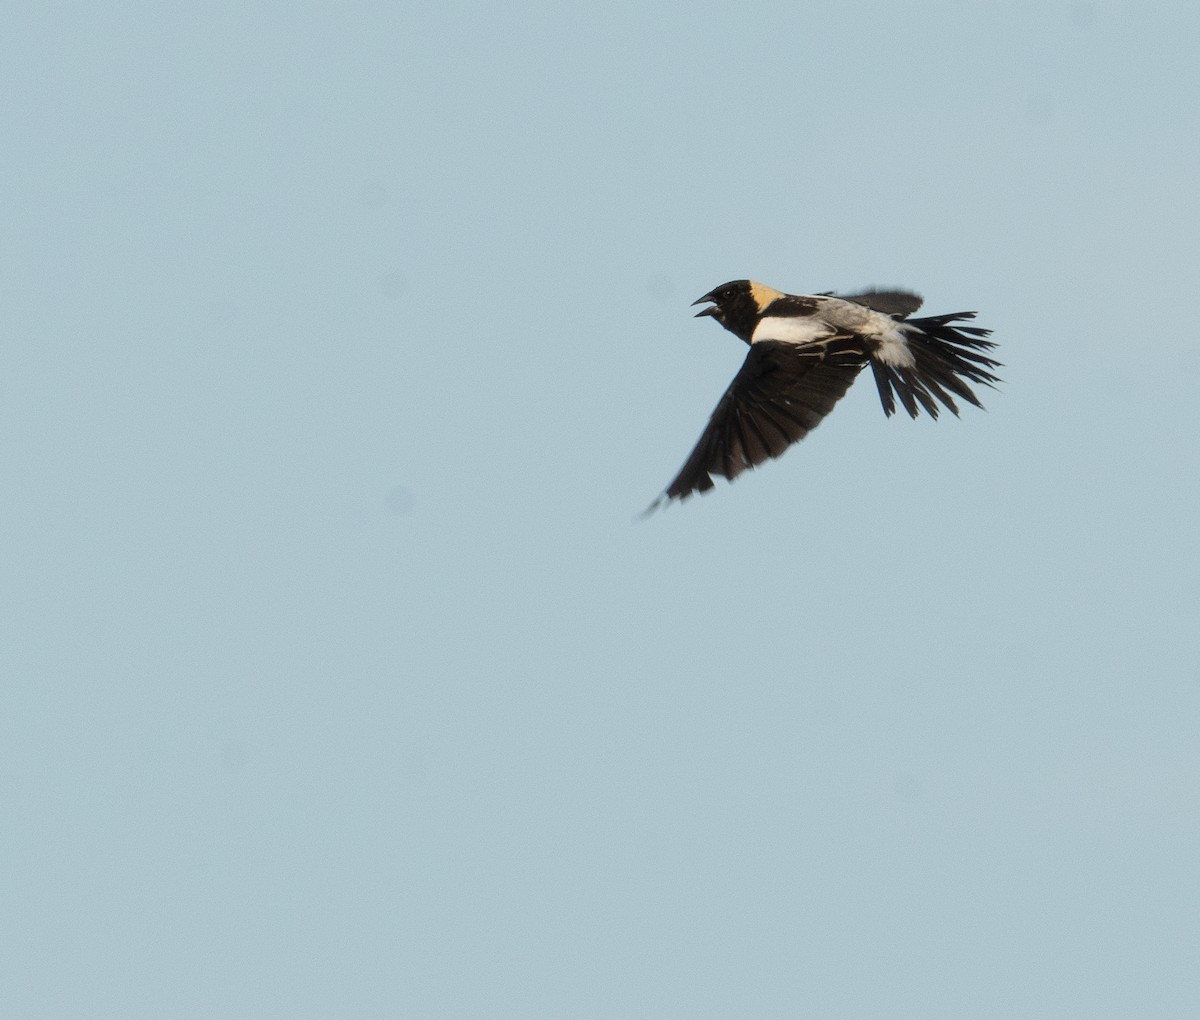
point(805, 350)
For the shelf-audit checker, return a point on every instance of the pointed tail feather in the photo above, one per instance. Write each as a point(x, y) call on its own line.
point(947, 357)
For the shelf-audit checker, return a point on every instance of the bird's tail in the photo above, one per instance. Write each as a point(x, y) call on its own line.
point(946, 358)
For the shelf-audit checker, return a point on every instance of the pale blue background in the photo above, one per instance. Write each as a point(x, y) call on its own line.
point(341, 346)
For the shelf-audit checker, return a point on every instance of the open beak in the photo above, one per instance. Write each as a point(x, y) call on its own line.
point(705, 311)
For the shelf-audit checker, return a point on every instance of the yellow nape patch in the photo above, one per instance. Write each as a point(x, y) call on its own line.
point(764, 295)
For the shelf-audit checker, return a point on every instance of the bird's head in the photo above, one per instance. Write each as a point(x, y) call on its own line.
point(738, 305)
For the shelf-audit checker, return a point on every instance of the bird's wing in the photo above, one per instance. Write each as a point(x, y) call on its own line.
point(897, 303)
point(781, 393)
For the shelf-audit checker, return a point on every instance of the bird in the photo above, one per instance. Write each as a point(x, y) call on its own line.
point(806, 350)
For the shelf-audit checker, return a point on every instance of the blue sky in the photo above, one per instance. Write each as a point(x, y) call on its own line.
point(342, 347)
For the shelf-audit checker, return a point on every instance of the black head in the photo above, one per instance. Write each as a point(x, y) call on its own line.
point(737, 305)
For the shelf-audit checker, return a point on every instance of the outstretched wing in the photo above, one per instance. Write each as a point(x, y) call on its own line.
point(897, 303)
point(781, 393)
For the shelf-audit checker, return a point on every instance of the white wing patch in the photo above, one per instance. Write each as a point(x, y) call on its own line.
point(888, 338)
point(792, 329)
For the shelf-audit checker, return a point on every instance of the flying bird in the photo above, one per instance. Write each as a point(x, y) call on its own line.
point(806, 350)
